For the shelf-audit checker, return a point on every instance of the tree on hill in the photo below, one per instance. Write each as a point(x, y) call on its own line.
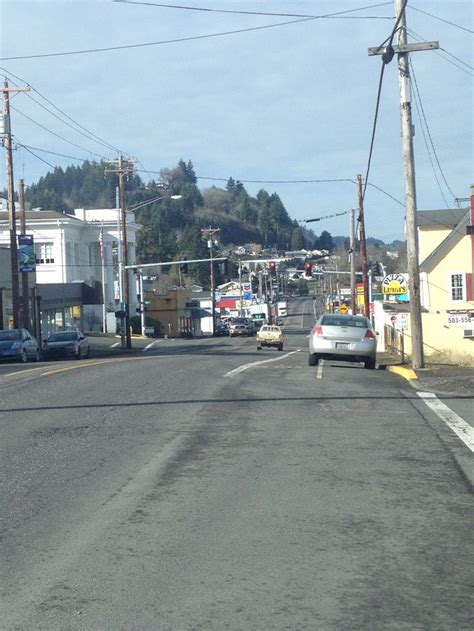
point(297, 240)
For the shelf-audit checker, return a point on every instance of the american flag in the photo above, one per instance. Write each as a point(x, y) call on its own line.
point(101, 242)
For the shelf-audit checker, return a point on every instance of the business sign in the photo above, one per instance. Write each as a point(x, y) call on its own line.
point(394, 285)
point(26, 253)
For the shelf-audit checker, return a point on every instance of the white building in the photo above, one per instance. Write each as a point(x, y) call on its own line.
point(68, 250)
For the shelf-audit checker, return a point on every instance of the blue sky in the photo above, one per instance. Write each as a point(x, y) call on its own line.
point(294, 102)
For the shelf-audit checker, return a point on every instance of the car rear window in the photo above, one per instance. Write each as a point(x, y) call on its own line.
point(13, 334)
point(63, 337)
point(334, 320)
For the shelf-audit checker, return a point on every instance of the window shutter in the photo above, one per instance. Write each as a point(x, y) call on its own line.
point(469, 287)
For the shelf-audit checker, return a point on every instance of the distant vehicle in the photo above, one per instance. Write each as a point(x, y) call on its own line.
point(18, 345)
point(281, 310)
point(240, 327)
point(343, 337)
point(270, 335)
point(66, 344)
point(221, 329)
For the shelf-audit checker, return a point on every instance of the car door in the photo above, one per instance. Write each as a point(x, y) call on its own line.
point(28, 344)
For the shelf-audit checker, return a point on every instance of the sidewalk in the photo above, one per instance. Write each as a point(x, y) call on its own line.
point(438, 378)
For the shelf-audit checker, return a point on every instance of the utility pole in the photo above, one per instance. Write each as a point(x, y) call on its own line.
point(352, 259)
point(363, 248)
point(209, 234)
point(122, 168)
point(402, 49)
point(25, 302)
point(11, 200)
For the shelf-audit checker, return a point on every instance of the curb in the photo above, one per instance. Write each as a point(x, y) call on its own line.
point(406, 373)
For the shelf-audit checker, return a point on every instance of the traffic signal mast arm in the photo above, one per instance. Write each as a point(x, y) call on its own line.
point(168, 263)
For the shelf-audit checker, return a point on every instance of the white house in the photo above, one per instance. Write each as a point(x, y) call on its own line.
point(68, 250)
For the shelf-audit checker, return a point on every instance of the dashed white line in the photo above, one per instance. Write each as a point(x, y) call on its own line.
point(452, 420)
point(240, 369)
point(115, 345)
point(319, 372)
point(150, 345)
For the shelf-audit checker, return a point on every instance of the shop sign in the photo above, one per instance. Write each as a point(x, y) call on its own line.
point(395, 285)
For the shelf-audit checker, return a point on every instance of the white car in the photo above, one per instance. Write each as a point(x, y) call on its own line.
point(343, 337)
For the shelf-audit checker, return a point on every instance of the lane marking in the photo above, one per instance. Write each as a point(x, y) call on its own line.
point(115, 345)
point(244, 367)
point(319, 372)
point(150, 345)
point(452, 420)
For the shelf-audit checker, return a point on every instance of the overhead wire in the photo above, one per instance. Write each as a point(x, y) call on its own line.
point(463, 28)
point(241, 12)
point(423, 118)
point(171, 41)
point(85, 132)
point(417, 37)
point(386, 58)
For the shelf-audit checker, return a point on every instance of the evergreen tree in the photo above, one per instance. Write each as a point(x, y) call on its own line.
point(297, 241)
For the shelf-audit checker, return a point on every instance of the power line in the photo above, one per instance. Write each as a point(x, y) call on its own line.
point(57, 135)
point(162, 42)
point(428, 129)
point(266, 13)
point(88, 134)
point(54, 153)
point(416, 36)
point(345, 212)
point(386, 59)
point(441, 19)
point(38, 157)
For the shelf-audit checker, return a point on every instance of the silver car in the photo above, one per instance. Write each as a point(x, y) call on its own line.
point(343, 337)
point(18, 345)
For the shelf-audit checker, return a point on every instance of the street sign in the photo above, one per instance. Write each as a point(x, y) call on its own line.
point(343, 309)
point(394, 284)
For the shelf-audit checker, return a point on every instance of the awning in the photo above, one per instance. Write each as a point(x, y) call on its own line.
point(197, 313)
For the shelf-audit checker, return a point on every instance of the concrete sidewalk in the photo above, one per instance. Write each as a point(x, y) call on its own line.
point(438, 378)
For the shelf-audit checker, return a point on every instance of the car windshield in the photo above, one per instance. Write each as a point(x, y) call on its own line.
point(64, 336)
point(353, 321)
point(11, 335)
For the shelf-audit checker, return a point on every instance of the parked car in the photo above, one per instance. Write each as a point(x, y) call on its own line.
point(221, 329)
point(270, 335)
point(343, 337)
point(66, 344)
point(18, 345)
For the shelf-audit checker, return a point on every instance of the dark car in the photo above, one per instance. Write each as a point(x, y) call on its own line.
point(18, 345)
point(66, 344)
point(221, 329)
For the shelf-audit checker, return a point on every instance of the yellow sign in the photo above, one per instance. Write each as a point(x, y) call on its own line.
point(394, 284)
point(344, 309)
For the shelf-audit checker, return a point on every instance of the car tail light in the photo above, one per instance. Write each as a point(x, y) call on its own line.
point(318, 330)
point(369, 335)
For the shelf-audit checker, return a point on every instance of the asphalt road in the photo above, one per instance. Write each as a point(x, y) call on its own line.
point(204, 485)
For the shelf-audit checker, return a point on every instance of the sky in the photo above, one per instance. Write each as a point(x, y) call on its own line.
point(266, 106)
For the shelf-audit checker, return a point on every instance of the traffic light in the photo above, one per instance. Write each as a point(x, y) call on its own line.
point(308, 269)
point(224, 266)
point(272, 266)
point(183, 268)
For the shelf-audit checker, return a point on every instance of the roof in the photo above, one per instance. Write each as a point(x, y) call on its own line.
point(457, 233)
point(440, 219)
point(35, 215)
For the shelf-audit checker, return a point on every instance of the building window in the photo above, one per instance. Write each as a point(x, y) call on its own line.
point(44, 253)
point(68, 253)
point(76, 255)
point(457, 287)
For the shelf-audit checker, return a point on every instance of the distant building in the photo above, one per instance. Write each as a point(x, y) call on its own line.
point(68, 250)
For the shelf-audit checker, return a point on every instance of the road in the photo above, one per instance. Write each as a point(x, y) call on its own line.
point(204, 485)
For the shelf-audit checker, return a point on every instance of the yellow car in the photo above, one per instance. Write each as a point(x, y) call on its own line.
point(270, 335)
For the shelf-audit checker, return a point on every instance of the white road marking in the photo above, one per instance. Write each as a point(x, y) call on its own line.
point(319, 372)
point(150, 345)
point(452, 420)
point(115, 345)
point(244, 367)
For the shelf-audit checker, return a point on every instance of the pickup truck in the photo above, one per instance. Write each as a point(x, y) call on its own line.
point(270, 335)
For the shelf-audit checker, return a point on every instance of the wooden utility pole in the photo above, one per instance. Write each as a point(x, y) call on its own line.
point(402, 49)
point(352, 260)
point(25, 297)
point(122, 168)
point(209, 233)
point(363, 247)
point(11, 201)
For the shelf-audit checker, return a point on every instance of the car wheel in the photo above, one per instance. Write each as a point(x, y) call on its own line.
point(280, 347)
point(78, 353)
point(313, 360)
point(369, 364)
point(23, 357)
point(259, 348)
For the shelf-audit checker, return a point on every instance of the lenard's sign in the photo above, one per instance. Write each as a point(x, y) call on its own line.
point(394, 284)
